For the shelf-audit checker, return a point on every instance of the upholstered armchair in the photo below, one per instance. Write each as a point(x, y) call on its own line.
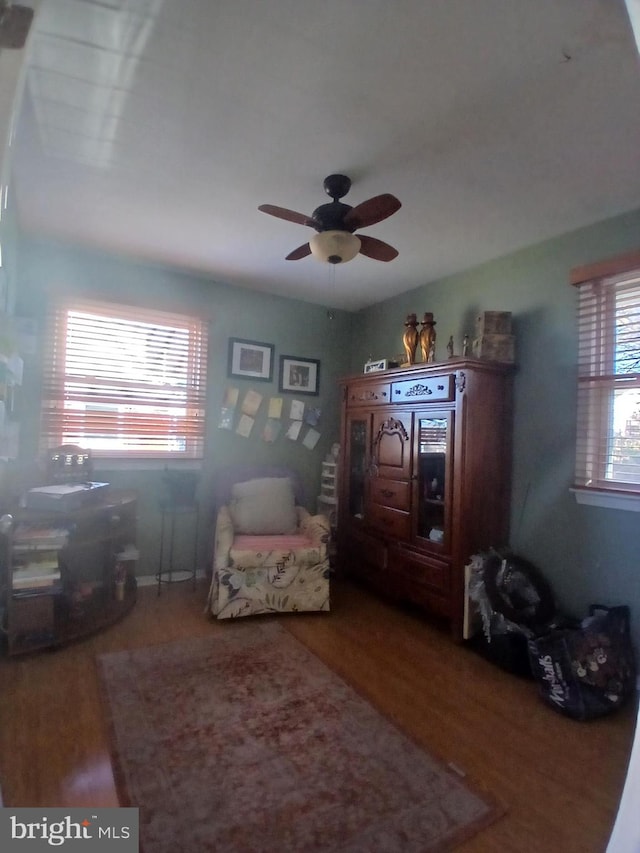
point(269, 553)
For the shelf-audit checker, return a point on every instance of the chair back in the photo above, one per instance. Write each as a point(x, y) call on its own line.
point(225, 478)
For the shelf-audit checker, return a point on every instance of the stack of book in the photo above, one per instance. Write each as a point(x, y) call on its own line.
point(39, 536)
point(37, 573)
point(35, 557)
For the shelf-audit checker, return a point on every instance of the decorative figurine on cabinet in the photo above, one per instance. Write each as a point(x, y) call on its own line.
point(428, 338)
point(410, 338)
point(450, 347)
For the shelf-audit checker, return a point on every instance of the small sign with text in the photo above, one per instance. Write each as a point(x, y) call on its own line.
point(80, 829)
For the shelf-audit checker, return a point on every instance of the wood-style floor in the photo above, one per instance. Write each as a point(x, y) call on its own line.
point(558, 780)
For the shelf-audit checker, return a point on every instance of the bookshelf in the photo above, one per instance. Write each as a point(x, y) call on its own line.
point(66, 574)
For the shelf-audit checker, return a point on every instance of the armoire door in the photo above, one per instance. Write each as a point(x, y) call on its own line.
point(391, 445)
point(356, 464)
point(433, 468)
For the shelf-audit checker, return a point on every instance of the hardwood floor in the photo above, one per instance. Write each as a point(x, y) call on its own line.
point(559, 780)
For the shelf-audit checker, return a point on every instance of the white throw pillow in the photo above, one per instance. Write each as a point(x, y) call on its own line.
point(263, 507)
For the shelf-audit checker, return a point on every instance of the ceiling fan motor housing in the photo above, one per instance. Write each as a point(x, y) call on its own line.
point(331, 216)
point(336, 186)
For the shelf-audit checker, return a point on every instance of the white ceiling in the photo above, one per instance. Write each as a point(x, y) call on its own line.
point(156, 127)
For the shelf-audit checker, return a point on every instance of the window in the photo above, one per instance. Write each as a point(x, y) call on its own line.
point(124, 381)
point(608, 434)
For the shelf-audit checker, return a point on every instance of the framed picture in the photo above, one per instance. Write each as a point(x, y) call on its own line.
point(250, 360)
point(373, 366)
point(300, 375)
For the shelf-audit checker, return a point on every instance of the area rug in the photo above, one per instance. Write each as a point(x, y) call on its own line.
point(246, 741)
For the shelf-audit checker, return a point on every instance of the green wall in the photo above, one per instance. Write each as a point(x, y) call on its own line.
point(589, 554)
point(9, 244)
point(8, 284)
point(294, 327)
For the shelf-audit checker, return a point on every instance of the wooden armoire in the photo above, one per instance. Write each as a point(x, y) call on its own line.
point(425, 478)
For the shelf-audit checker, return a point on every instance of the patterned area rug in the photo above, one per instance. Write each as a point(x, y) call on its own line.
point(246, 741)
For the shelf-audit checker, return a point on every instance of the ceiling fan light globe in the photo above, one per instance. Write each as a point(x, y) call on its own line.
point(334, 247)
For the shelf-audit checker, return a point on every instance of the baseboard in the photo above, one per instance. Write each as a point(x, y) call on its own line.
point(152, 580)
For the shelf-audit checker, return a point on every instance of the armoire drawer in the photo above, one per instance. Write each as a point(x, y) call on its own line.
point(392, 493)
point(371, 394)
point(390, 522)
point(423, 570)
point(427, 389)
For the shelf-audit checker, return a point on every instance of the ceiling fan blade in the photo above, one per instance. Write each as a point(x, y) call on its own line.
point(371, 211)
point(300, 252)
point(289, 215)
point(376, 249)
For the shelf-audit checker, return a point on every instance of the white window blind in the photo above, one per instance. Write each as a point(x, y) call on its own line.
point(608, 419)
point(124, 381)
point(433, 435)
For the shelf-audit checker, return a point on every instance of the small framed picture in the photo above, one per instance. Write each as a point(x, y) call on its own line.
point(250, 360)
point(373, 366)
point(300, 375)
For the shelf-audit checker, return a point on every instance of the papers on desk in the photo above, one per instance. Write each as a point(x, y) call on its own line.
point(64, 497)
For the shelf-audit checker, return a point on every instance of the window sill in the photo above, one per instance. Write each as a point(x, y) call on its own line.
point(610, 500)
point(103, 463)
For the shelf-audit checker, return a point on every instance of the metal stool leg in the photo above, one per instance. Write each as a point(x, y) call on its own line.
point(161, 566)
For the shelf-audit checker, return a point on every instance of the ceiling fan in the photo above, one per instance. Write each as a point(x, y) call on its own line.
point(335, 223)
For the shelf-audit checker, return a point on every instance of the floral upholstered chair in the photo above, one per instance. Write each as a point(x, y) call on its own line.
point(269, 553)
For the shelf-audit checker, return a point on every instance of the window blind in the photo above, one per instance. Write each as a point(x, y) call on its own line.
point(124, 381)
point(433, 435)
point(608, 416)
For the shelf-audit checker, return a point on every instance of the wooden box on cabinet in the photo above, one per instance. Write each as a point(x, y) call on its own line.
point(494, 347)
point(425, 478)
